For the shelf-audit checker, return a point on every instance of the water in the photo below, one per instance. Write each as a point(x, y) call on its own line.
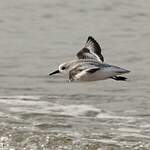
point(42, 113)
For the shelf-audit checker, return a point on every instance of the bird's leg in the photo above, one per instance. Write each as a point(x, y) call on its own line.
point(119, 78)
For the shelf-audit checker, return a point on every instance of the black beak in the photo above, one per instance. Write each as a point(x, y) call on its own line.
point(57, 71)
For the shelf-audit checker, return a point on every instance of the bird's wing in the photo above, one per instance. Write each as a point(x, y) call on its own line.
point(91, 50)
point(80, 71)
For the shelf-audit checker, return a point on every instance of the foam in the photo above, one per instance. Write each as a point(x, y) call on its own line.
point(21, 97)
point(112, 116)
point(74, 110)
point(129, 130)
point(21, 100)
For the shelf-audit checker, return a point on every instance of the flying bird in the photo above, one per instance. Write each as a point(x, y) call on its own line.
point(90, 65)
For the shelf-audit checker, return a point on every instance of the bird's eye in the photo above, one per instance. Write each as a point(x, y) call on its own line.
point(63, 68)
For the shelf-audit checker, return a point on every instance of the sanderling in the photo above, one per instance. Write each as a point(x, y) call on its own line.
point(90, 65)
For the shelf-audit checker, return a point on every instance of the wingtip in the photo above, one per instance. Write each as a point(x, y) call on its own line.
point(90, 38)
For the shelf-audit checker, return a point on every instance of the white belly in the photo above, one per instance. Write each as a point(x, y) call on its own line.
point(98, 75)
point(101, 74)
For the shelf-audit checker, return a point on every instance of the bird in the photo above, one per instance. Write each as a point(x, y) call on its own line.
point(90, 66)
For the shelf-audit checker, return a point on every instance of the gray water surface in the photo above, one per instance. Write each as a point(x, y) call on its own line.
point(42, 113)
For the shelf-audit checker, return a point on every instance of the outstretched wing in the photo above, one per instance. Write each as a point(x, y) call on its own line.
point(91, 50)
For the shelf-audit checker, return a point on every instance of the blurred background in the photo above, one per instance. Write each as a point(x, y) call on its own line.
point(39, 112)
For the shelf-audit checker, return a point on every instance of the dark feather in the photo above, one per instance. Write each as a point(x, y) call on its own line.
point(119, 78)
point(91, 50)
point(93, 70)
